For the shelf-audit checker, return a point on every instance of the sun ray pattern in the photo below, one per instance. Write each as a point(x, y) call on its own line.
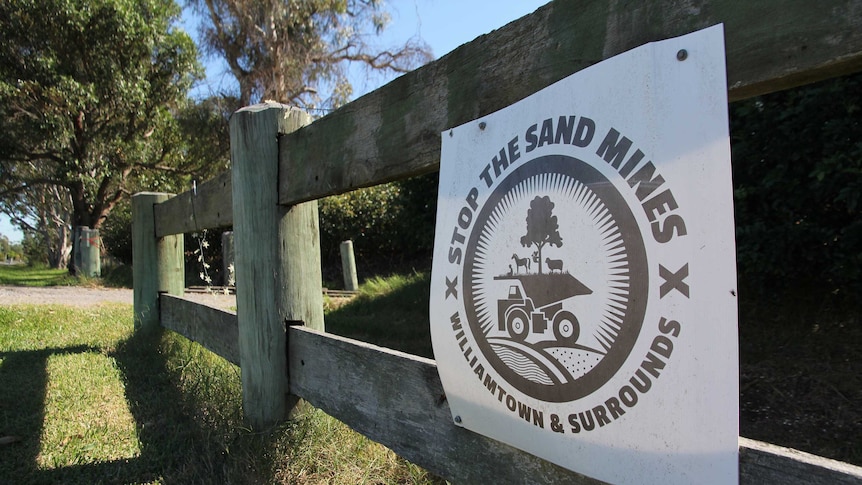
point(508, 216)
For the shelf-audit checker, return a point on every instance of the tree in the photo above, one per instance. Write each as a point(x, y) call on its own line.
point(290, 51)
point(44, 212)
point(88, 95)
point(542, 227)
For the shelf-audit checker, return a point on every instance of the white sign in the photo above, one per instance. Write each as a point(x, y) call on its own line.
point(583, 297)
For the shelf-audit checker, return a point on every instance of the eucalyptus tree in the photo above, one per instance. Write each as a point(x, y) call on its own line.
point(44, 213)
point(88, 95)
point(297, 51)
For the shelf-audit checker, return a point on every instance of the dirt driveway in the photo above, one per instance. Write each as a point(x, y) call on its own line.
point(82, 297)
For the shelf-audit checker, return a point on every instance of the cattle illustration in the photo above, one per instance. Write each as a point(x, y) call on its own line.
point(554, 264)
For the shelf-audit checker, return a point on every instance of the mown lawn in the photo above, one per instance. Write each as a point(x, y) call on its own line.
point(84, 399)
point(23, 275)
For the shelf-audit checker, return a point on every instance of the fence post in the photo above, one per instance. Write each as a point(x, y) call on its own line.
point(348, 266)
point(157, 263)
point(277, 252)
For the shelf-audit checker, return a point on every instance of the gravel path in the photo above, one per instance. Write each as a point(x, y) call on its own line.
point(82, 297)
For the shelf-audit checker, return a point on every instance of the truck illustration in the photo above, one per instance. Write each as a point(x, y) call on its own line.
point(535, 302)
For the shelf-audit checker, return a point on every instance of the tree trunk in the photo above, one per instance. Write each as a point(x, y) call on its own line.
point(58, 253)
point(540, 257)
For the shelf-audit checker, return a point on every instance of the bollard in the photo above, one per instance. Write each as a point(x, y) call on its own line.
point(348, 266)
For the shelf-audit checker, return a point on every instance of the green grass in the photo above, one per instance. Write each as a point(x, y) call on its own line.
point(87, 400)
point(90, 401)
point(391, 312)
point(22, 275)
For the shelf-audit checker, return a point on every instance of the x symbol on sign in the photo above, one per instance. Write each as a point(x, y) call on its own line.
point(451, 288)
point(673, 281)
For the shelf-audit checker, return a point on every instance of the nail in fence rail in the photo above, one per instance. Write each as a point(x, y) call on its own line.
point(206, 207)
point(393, 133)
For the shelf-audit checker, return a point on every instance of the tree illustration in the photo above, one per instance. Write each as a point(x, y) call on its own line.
point(542, 227)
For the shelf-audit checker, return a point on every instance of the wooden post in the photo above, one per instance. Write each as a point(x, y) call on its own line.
point(277, 253)
point(157, 263)
point(348, 266)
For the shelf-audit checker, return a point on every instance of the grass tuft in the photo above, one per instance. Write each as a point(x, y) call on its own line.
point(391, 312)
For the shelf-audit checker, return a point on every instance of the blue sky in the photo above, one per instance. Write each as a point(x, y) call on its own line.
point(443, 24)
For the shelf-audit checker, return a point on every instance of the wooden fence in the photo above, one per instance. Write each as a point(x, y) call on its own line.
point(282, 163)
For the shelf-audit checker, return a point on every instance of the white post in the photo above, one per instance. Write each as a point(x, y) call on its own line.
point(348, 266)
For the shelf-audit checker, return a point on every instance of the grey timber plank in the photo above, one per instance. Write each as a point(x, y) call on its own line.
point(397, 399)
point(211, 327)
point(394, 132)
point(208, 207)
point(767, 463)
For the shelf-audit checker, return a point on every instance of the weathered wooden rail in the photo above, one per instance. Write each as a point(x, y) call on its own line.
point(347, 379)
point(282, 164)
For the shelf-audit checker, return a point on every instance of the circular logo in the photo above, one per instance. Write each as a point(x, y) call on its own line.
point(555, 279)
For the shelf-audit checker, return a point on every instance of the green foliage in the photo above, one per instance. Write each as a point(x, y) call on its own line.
point(35, 248)
point(116, 233)
point(418, 202)
point(797, 160)
point(297, 52)
point(88, 91)
point(389, 225)
point(205, 138)
point(367, 216)
point(10, 251)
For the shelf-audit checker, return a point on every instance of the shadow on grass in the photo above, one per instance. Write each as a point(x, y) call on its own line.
point(182, 438)
point(394, 317)
point(23, 275)
point(23, 383)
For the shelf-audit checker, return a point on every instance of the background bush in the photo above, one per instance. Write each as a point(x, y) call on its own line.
point(797, 167)
point(391, 226)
